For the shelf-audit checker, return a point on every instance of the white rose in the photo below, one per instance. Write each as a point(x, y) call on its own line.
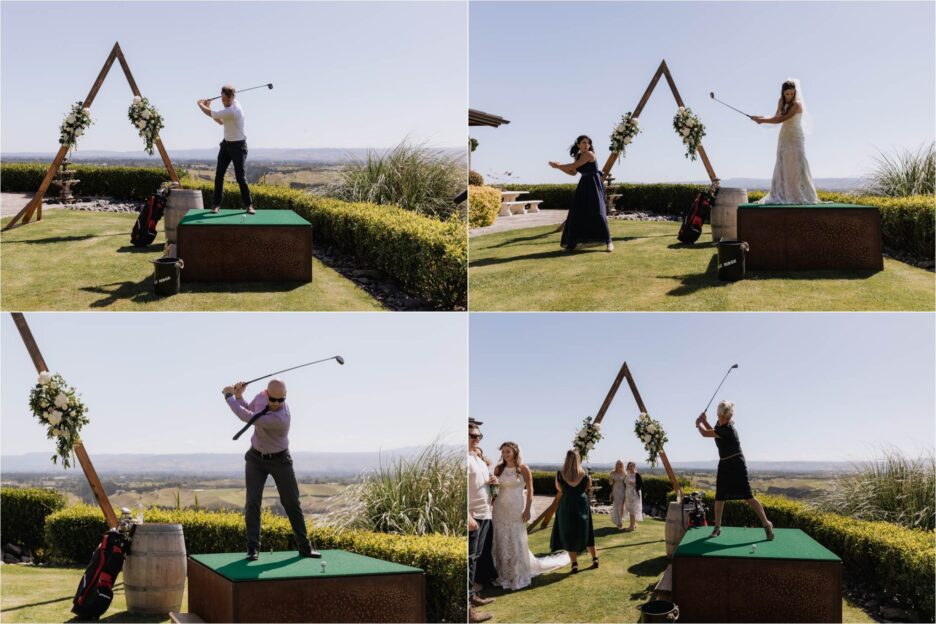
point(61, 400)
point(45, 377)
point(645, 438)
point(146, 114)
point(78, 133)
point(55, 417)
point(137, 99)
point(141, 124)
point(627, 140)
point(56, 432)
point(43, 404)
point(71, 118)
point(633, 121)
point(651, 429)
point(597, 425)
point(685, 132)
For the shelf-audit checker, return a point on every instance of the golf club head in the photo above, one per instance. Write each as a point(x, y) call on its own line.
point(734, 366)
point(712, 94)
point(340, 359)
point(270, 85)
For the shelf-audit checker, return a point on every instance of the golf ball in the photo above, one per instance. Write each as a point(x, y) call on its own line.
point(323, 567)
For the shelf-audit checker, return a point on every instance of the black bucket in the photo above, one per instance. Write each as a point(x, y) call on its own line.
point(167, 276)
point(731, 260)
point(659, 611)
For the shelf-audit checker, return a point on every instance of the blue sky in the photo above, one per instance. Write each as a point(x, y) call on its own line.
point(344, 74)
point(560, 69)
point(152, 381)
point(809, 387)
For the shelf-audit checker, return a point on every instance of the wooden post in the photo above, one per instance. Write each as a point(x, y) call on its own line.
point(83, 459)
point(35, 204)
point(662, 70)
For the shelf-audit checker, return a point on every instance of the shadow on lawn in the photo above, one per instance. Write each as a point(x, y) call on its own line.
point(60, 239)
point(697, 281)
point(142, 291)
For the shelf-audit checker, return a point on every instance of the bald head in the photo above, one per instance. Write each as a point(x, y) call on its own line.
point(276, 389)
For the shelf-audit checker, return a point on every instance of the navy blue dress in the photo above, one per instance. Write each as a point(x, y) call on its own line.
point(588, 218)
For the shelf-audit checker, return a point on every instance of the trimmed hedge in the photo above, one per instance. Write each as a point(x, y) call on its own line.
point(24, 511)
point(73, 533)
point(427, 256)
point(475, 178)
point(118, 182)
point(899, 560)
point(655, 489)
point(907, 223)
point(483, 205)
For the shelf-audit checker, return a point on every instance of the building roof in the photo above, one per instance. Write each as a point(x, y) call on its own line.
point(480, 118)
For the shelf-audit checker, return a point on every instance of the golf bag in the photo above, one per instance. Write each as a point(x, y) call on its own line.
point(144, 230)
point(695, 216)
point(96, 589)
point(694, 508)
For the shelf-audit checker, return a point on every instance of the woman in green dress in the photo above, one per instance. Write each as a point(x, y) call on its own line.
point(573, 530)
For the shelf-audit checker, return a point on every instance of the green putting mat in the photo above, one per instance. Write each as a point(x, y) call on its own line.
point(736, 542)
point(240, 217)
point(830, 205)
point(289, 565)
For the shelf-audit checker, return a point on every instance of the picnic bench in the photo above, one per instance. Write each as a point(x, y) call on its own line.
point(511, 205)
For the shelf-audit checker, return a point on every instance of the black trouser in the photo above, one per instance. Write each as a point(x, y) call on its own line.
point(231, 152)
point(256, 470)
point(476, 541)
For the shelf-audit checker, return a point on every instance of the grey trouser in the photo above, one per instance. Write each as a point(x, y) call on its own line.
point(256, 469)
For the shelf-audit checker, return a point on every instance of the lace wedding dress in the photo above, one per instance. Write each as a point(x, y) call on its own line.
point(516, 565)
point(792, 181)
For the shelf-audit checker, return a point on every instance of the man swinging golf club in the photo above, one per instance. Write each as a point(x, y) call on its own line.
point(233, 147)
point(268, 455)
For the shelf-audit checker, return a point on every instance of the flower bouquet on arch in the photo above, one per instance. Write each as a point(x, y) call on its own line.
point(58, 406)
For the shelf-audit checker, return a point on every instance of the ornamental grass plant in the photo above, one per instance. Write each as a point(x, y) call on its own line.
point(409, 496)
point(904, 173)
point(895, 488)
point(411, 175)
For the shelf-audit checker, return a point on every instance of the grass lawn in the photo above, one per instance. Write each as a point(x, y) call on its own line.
point(75, 260)
point(649, 270)
point(631, 565)
point(31, 594)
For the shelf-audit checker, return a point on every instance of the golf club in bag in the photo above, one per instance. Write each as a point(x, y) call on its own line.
point(256, 416)
point(269, 85)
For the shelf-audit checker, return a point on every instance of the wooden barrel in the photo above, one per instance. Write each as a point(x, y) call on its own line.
point(180, 201)
point(725, 213)
point(676, 523)
point(154, 571)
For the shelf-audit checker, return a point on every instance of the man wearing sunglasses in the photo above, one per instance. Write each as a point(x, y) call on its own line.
point(268, 455)
point(479, 517)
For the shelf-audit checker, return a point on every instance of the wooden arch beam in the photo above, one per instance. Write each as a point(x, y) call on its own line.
point(35, 204)
point(663, 71)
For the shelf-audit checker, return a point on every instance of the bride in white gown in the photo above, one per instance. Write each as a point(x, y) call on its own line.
point(792, 181)
point(512, 509)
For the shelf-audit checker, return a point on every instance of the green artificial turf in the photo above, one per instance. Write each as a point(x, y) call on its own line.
point(73, 260)
point(751, 543)
point(290, 565)
point(650, 270)
point(240, 217)
point(830, 205)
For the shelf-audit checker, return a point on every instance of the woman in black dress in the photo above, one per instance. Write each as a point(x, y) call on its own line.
point(587, 221)
point(573, 530)
point(732, 480)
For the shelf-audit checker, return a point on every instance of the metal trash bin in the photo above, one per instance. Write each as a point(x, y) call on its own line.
point(731, 260)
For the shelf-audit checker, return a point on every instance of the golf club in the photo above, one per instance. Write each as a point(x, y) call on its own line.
point(337, 358)
point(269, 85)
point(712, 95)
point(733, 366)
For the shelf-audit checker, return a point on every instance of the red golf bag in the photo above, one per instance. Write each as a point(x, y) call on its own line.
point(695, 216)
point(96, 589)
point(144, 229)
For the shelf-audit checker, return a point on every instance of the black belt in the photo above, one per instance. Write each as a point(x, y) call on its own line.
point(269, 455)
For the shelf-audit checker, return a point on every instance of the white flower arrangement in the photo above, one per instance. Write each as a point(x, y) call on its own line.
point(690, 129)
point(57, 406)
point(624, 133)
point(147, 120)
point(74, 125)
point(587, 437)
point(652, 435)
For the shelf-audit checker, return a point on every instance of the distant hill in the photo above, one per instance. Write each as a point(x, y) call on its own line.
point(799, 467)
point(318, 155)
point(213, 464)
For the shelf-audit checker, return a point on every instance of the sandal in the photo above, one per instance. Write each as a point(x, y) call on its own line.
point(594, 562)
point(574, 568)
point(768, 529)
point(715, 533)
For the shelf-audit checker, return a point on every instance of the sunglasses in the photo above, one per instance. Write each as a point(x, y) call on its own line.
point(475, 436)
point(275, 400)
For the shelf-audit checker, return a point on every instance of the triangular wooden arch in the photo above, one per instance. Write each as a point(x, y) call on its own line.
point(543, 519)
point(663, 70)
point(96, 488)
point(35, 205)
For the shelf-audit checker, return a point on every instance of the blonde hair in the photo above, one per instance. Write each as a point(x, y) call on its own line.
point(572, 467)
point(725, 408)
point(503, 464)
point(620, 463)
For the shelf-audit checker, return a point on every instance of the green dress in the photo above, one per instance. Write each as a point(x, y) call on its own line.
point(572, 530)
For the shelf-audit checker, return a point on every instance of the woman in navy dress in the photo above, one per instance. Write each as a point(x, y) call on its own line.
point(731, 483)
point(587, 221)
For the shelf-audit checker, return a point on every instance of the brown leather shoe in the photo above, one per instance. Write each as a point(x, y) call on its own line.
point(478, 601)
point(476, 616)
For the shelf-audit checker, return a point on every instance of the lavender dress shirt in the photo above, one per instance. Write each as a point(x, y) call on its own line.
point(271, 430)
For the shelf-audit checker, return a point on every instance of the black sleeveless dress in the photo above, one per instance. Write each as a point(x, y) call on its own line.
point(572, 530)
point(731, 483)
point(588, 217)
